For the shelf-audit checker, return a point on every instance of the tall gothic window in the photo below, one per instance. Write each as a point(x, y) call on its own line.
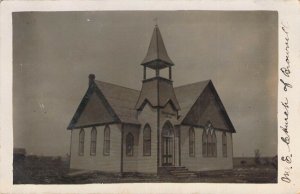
point(204, 143)
point(93, 141)
point(224, 144)
point(209, 144)
point(129, 144)
point(214, 144)
point(147, 140)
point(81, 142)
point(106, 146)
point(192, 142)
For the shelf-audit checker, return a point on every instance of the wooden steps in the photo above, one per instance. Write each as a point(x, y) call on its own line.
point(177, 171)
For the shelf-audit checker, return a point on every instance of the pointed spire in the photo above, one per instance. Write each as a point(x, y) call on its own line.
point(157, 56)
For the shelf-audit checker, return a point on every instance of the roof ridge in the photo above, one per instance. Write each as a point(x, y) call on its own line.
point(118, 85)
point(208, 80)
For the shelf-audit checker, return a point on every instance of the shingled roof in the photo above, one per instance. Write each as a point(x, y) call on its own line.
point(158, 93)
point(121, 99)
point(157, 56)
point(106, 103)
point(187, 95)
point(109, 103)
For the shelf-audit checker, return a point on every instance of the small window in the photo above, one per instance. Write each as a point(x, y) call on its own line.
point(147, 141)
point(93, 141)
point(214, 144)
point(204, 143)
point(224, 144)
point(192, 142)
point(81, 142)
point(129, 144)
point(106, 146)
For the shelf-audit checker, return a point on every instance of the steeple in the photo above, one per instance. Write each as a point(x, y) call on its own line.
point(157, 91)
point(157, 57)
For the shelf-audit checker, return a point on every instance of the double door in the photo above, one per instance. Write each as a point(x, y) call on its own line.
point(167, 151)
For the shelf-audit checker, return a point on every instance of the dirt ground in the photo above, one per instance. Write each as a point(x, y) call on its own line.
point(54, 171)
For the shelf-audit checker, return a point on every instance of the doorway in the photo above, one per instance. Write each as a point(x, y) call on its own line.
point(167, 145)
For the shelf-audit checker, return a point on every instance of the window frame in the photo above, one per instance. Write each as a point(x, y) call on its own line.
point(192, 142)
point(147, 141)
point(209, 144)
point(224, 145)
point(129, 141)
point(204, 143)
point(106, 141)
point(214, 144)
point(93, 146)
point(81, 142)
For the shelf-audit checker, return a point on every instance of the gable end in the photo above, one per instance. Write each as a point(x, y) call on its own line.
point(209, 106)
point(92, 90)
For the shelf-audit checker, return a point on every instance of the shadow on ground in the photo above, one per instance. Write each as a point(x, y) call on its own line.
point(37, 170)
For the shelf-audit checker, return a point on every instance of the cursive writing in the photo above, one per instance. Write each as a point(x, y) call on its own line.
point(285, 125)
point(286, 158)
point(286, 68)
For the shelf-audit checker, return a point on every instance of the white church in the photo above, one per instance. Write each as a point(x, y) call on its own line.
point(159, 128)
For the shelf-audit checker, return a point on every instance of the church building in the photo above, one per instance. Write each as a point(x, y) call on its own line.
point(120, 130)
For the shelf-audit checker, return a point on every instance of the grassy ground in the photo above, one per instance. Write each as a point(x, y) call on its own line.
point(54, 171)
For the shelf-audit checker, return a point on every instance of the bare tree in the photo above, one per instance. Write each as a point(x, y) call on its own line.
point(257, 156)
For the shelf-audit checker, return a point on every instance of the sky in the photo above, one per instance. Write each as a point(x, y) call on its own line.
point(54, 52)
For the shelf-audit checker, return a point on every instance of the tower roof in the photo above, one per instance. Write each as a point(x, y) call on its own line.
point(157, 56)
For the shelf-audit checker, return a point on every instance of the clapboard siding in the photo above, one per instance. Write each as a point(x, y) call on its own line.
point(130, 162)
point(148, 164)
point(101, 162)
point(200, 163)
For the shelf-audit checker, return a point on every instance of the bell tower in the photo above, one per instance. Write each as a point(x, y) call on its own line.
point(158, 91)
point(157, 100)
point(157, 57)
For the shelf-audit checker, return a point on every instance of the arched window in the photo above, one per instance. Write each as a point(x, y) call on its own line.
point(93, 141)
point(81, 142)
point(129, 144)
point(209, 144)
point(192, 142)
point(214, 144)
point(224, 144)
point(204, 143)
point(106, 146)
point(147, 140)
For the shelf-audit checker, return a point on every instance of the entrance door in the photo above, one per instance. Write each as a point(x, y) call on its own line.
point(167, 145)
point(167, 151)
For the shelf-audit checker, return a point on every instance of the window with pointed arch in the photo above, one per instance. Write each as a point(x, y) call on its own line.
point(93, 141)
point(209, 144)
point(204, 143)
point(214, 144)
point(147, 140)
point(129, 144)
point(224, 144)
point(192, 142)
point(81, 143)
point(106, 146)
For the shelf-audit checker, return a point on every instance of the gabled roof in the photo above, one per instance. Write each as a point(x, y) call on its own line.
point(106, 103)
point(117, 105)
point(199, 103)
point(157, 56)
point(121, 99)
point(158, 92)
point(187, 96)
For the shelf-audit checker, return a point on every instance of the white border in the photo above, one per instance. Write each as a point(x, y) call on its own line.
point(288, 13)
